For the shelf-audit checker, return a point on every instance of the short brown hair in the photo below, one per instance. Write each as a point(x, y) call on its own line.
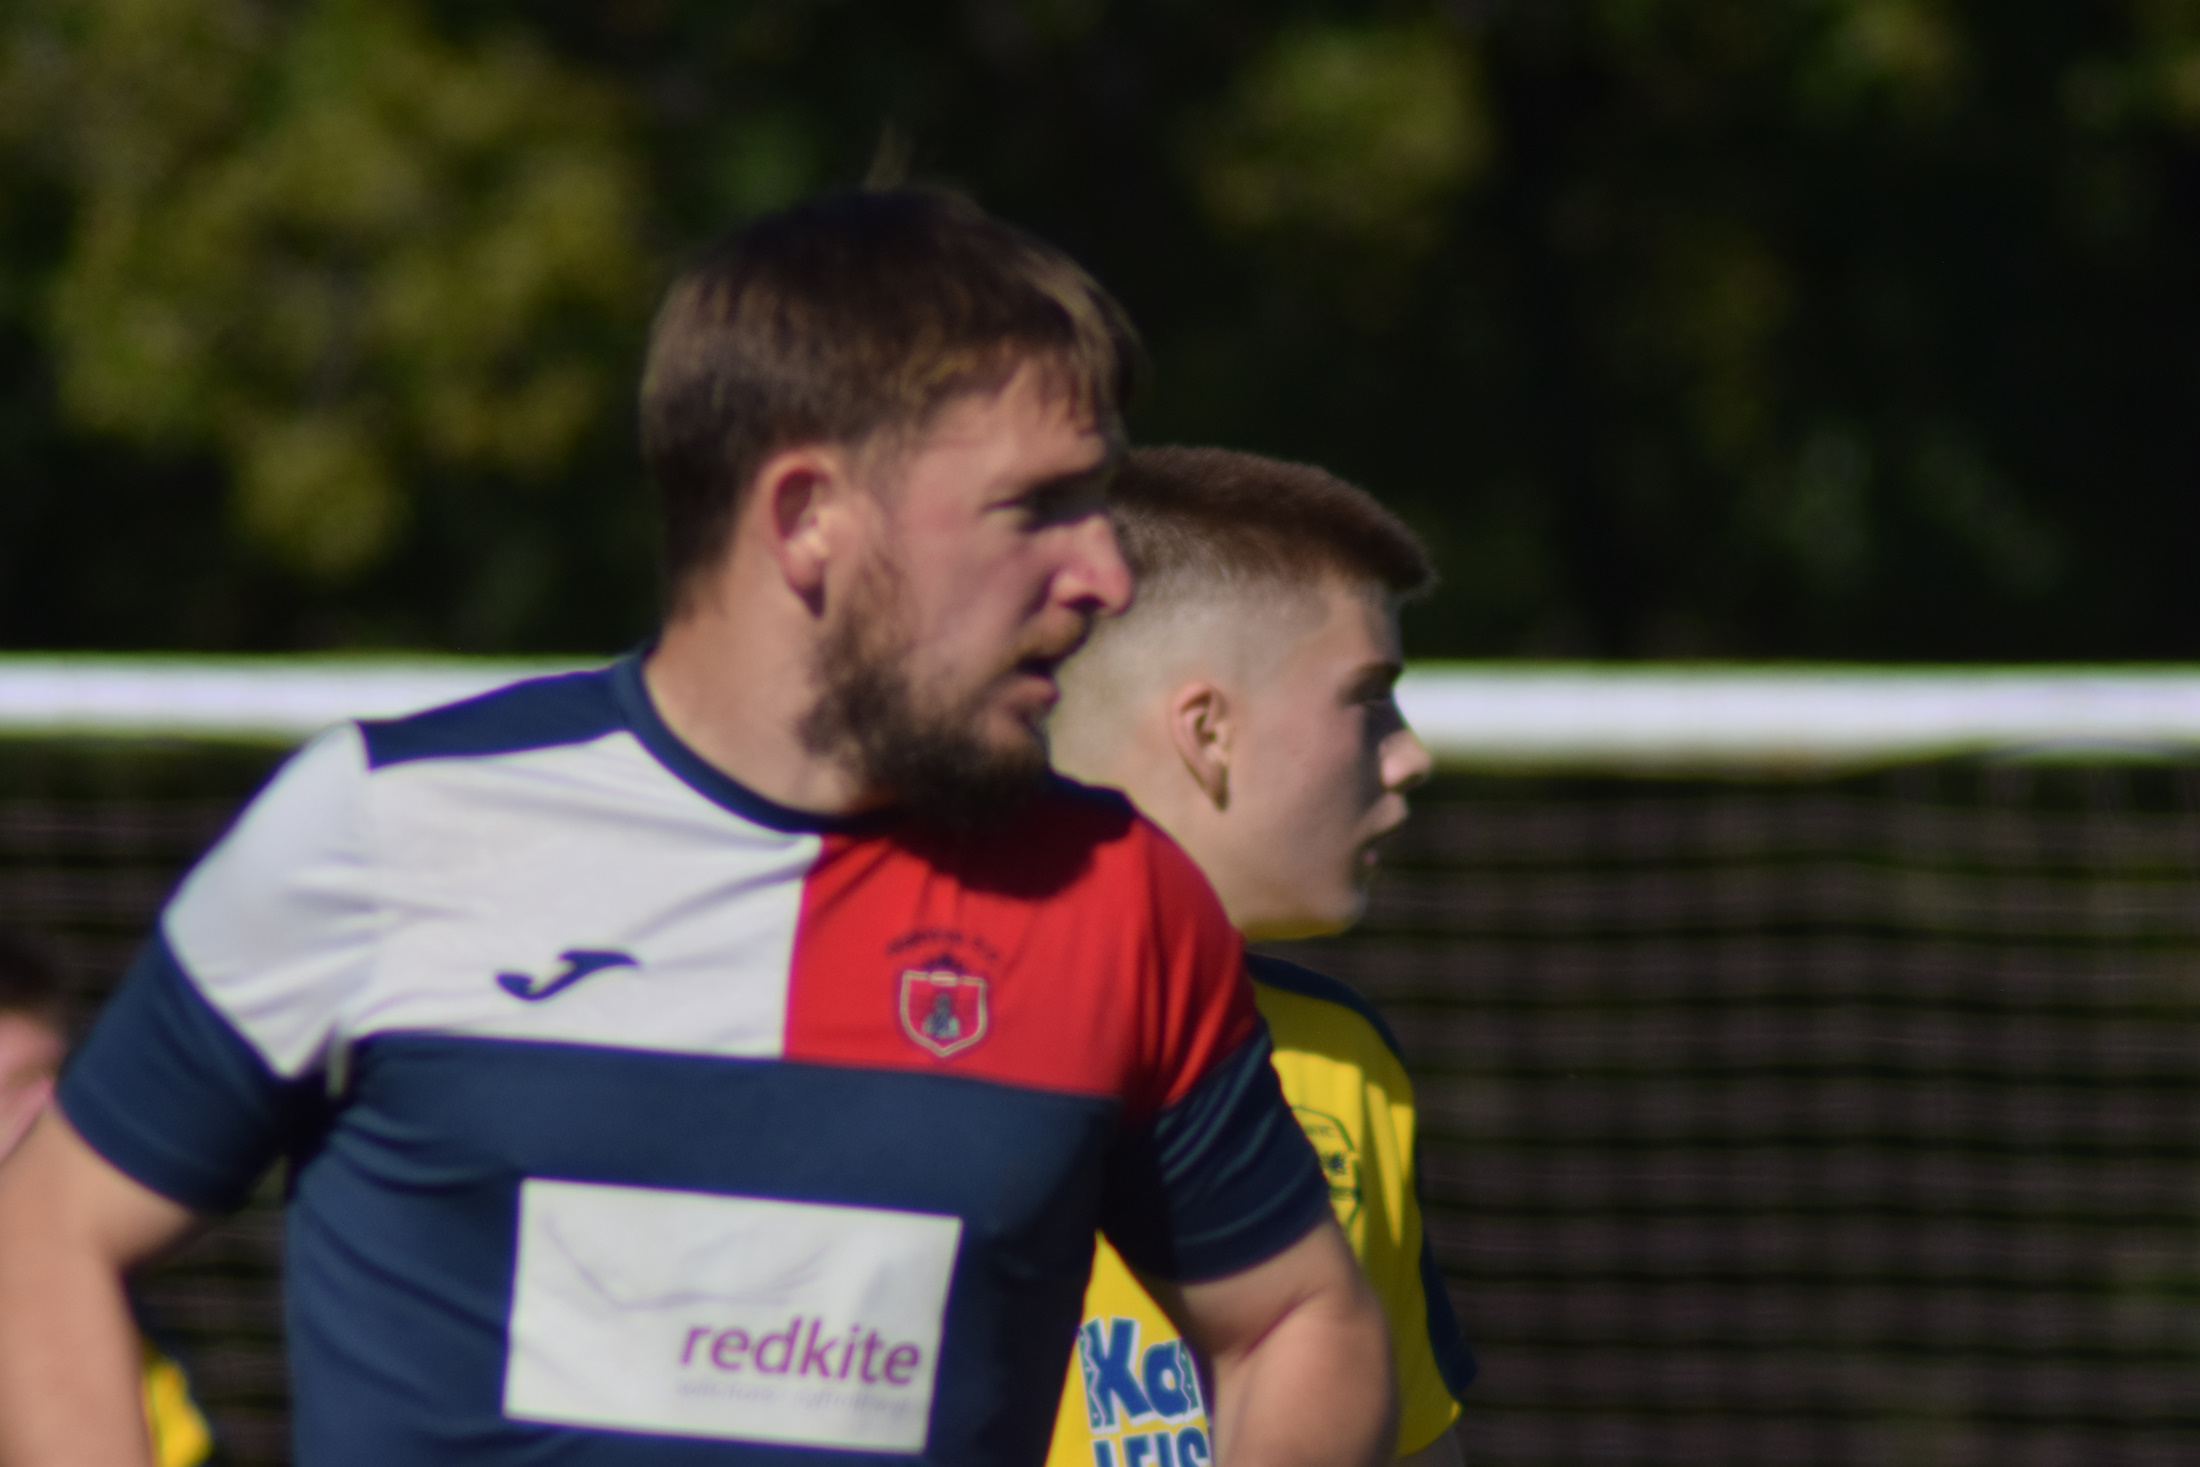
point(849, 316)
point(1203, 516)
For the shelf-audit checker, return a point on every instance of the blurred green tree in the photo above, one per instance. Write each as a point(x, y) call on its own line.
point(1688, 327)
point(1360, 133)
point(332, 247)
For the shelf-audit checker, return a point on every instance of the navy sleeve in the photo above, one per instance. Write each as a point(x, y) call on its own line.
point(1217, 1182)
point(173, 1097)
point(1454, 1361)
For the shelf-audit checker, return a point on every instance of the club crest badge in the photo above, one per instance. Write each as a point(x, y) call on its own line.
point(1340, 1160)
point(943, 1011)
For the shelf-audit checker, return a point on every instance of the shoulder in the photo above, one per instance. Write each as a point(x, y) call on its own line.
point(538, 713)
point(1102, 813)
point(1077, 841)
point(310, 832)
point(1333, 1009)
point(1118, 829)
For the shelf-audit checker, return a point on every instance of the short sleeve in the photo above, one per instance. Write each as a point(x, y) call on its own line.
point(1340, 1069)
point(1432, 1360)
point(199, 1071)
point(1216, 1176)
point(1218, 1182)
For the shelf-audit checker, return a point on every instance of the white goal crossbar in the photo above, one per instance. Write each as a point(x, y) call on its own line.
point(1682, 718)
point(1525, 716)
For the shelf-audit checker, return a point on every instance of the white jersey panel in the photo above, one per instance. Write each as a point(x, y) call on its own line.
point(277, 927)
point(739, 1318)
point(579, 893)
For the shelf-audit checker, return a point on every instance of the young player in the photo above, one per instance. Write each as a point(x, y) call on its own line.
point(1245, 704)
point(728, 1055)
point(31, 1046)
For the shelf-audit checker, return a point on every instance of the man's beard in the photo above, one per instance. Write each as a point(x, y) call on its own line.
point(933, 762)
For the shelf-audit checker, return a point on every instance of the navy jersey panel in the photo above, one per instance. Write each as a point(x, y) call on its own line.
point(404, 1222)
point(172, 1096)
point(540, 713)
point(1218, 1182)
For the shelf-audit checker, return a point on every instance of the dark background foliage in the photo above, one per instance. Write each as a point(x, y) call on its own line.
point(1740, 328)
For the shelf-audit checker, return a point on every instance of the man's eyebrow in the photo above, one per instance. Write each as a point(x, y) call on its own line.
point(1098, 476)
point(1375, 677)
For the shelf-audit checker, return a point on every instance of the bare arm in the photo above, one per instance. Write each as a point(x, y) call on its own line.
point(1300, 1355)
point(70, 1227)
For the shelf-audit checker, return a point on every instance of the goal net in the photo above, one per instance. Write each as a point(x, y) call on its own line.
point(1809, 1062)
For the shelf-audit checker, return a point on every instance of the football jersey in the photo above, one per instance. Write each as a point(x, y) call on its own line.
point(633, 1118)
point(1133, 1398)
point(180, 1435)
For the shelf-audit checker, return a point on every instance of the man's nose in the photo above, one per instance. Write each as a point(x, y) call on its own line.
point(1406, 761)
point(1096, 578)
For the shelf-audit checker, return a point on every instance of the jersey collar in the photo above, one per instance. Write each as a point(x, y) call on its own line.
point(711, 782)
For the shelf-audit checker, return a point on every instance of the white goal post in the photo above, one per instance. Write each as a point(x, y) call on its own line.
point(1548, 717)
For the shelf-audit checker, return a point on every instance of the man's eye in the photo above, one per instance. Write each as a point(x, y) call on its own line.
point(1067, 502)
point(1383, 716)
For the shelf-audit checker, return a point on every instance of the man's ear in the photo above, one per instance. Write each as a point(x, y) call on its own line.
point(801, 494)
point(1201, 727)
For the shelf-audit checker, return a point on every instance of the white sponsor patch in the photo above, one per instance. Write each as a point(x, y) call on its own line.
point(742, 1318)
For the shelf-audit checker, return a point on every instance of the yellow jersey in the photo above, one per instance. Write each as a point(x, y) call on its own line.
point(180, 1434)
point(1135, 1397)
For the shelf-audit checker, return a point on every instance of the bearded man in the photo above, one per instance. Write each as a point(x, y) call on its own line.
point(727, 1056)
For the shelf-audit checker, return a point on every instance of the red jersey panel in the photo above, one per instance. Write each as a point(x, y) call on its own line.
point(1031, 956)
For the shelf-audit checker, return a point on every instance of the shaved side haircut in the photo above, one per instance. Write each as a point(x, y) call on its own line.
point(850, 317)
point(1211, 535)
point(1201, 522)
point(1198, 521)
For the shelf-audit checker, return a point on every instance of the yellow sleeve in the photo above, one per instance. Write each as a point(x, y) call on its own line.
point(180, 1434)
point(1353, 1098)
